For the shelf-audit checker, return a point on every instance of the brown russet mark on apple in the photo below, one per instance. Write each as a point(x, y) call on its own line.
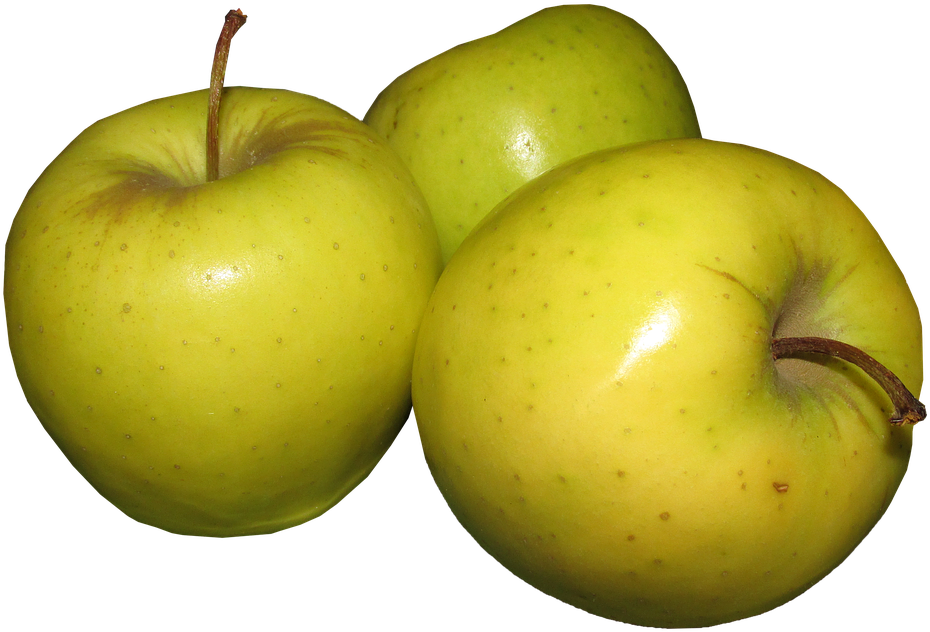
point(273, 136)
point(800, 314)
point(729, 277)
point(139, 181)
point(781, 488)
point(795, 315)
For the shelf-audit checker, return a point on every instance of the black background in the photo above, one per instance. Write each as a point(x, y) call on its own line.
point(837, 92)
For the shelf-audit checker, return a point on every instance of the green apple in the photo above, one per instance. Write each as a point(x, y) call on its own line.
point(599, 403)
point(481, 119)
point(221, 357)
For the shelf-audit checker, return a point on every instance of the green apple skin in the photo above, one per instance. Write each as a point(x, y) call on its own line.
point(222, 358)
point(483, 118)
point(597, 399)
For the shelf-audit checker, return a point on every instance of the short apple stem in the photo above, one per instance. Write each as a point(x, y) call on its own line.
point(234, 21)
point(907, 409)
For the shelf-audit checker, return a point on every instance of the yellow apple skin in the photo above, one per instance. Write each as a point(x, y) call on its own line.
point(221, 358)
point(597, 399)
point(481, 119)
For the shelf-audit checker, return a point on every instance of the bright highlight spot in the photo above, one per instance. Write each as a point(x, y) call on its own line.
point(219, 279)
point(660, 326)
point(526, 150)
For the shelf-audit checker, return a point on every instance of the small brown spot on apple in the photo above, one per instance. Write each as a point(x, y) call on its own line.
point(664, 515)
point(781, 488)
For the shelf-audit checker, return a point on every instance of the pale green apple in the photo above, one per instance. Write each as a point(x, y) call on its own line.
point(227, 357)
point(596, 394)
point(481, 119)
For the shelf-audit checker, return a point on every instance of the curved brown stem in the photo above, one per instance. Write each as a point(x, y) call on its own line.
point(234, 21)
point(907, 409)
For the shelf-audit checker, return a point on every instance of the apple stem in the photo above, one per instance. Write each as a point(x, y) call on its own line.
point(234, 21)
point(907, 409)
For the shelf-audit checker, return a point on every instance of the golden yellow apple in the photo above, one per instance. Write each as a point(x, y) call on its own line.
point(479, 120)
point(600, 404)
point(221, 357)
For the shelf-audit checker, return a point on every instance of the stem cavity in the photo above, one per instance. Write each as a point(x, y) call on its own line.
point(234, 21)
point(907, 409)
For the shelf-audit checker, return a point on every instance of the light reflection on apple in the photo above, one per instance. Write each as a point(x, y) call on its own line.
point(660, 326)
point(526, 147)
point(215, 279)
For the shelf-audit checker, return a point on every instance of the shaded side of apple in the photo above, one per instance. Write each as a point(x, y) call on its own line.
point(229, 357)
point(597, 399)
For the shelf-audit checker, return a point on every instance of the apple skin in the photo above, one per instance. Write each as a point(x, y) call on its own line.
point(222, 358)
point(479, 120)
point(597, 399)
